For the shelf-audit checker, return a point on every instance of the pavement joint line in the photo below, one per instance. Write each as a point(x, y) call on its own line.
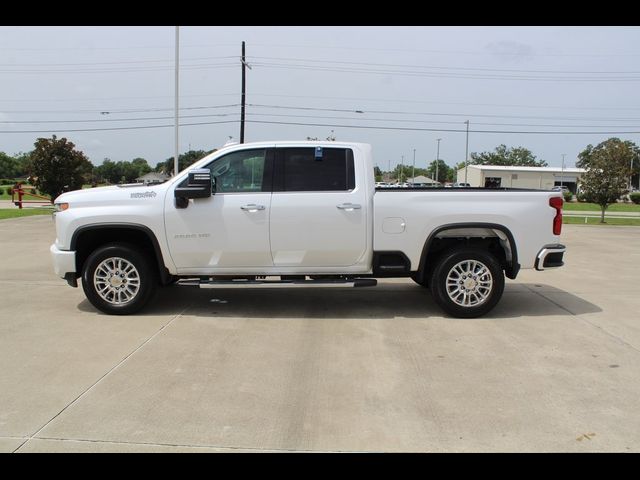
point(612, 335)
point(104, 376)
point(603, 330)
point(257, 449)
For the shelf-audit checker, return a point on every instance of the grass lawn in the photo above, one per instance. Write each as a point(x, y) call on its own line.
point(6, 213)
point(616, 207)
point(596, 221)
point(7, 196)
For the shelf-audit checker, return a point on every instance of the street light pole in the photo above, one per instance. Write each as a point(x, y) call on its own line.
point(177, 152)
point(413, 171)
point(401, 168)
point(562, 171)
point(437, 159)
point(466, 154)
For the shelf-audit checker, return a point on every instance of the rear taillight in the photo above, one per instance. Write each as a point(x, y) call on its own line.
point(556, 202)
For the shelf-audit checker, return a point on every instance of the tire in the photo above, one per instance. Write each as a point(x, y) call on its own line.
point(118, 292)
point(482, 290)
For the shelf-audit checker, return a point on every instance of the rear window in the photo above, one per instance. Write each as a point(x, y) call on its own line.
point(317, 169)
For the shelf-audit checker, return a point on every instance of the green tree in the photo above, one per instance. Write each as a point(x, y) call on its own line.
point(444, 172)
point(9, 166)
point(141, 165)
point(58, 166)
point(608, 166)
point(107, 172)
point(515, 156)
point(24, 164)
point(184, 160)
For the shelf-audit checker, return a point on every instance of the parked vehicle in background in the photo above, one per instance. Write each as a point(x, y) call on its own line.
point(461, 185)
point(308, 214)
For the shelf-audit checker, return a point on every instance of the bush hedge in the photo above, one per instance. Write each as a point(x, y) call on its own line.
point(635, 197)
point(1, 191)
point(568, 196)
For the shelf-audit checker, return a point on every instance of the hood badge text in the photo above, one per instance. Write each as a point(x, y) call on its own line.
point(144, 195)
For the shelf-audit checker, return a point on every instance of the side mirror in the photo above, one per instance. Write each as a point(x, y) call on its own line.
point(198, 186)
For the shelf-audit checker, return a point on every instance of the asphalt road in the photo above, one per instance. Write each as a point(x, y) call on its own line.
point(554, 367)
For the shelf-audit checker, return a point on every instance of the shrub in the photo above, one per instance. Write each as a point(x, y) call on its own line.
point(1, 191)
point(568, 196)
point(581, 197)
point(635, 197)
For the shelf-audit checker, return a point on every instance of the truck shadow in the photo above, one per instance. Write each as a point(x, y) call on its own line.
point(386, 301)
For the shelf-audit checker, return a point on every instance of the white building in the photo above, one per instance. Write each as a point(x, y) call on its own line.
point(497, 176)
point(422, 181)
point(152, 178)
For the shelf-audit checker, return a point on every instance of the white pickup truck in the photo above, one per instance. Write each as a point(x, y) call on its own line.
point(285, 214)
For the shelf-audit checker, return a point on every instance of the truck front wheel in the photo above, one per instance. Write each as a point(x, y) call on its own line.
point(467, 282)
point(118, 279)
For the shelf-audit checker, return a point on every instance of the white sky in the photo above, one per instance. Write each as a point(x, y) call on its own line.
point(550, 79)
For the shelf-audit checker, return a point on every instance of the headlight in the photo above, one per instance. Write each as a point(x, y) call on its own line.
point(60, 207)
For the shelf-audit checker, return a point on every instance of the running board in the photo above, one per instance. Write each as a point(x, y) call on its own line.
point(356, 282)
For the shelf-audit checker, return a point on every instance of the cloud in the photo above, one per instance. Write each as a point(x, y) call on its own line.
point(96, 144)
point(510, 51)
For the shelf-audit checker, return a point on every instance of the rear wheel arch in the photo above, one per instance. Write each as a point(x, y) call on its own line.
point(475, 234)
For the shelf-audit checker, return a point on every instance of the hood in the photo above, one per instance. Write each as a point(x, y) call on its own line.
point(114, 195)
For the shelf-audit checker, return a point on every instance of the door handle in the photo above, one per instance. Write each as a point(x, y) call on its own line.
point(349, 207)
point(252, 207)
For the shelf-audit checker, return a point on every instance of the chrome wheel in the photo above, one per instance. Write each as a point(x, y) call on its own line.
point(116, 281)
point(469, 283)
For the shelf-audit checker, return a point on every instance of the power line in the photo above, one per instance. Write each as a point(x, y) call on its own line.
point(369, 127)
point(123, 62)
point(141, 127)
point(321, 97)
point(439, 67)
point(291, 107)
point(118, 70)
point(257, 114)
point(117, 111)
point(372, 127)
point(453, 52)
point(407, 73)
point(101, 99)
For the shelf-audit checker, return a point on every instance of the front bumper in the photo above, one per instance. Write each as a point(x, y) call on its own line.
point(550, 256)
point(64, 262)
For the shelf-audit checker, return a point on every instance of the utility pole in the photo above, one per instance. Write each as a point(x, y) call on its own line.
point(177, 66)
point(242, 102)
point(437, 159)
point(413, 172)
point(562, 171)
point(401, 169)
point(466, 154)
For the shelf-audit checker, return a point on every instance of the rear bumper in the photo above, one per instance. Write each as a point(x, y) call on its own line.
point(550, 256)
point(64, 262)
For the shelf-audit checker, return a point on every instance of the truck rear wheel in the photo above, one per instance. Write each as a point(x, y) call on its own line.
point(467, 282)
point(118, 279)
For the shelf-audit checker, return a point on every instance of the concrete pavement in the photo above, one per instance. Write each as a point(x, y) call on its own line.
point(553, 368)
